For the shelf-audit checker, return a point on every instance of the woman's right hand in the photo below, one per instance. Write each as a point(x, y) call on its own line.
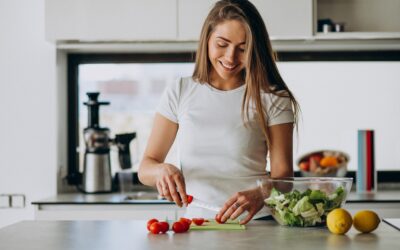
point(171, 184)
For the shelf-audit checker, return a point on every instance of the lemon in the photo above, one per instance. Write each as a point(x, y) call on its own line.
point(366, 221)
point(339, 221)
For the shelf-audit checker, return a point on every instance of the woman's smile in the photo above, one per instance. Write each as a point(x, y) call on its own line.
point(227, 66)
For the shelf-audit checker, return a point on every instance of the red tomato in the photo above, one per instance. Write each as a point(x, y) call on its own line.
point(189, 198)
point(178, 227)
point(218, 220)
point(198, 221)
point(151, 222)
point(186, 225)
point(188, 221)
point(164, 226)
point(155, 228)
point(305, 166)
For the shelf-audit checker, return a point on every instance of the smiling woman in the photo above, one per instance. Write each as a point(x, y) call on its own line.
point(229, 115)
point(226, 54)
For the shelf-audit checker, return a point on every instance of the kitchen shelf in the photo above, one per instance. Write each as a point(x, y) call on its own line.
point(357, 35)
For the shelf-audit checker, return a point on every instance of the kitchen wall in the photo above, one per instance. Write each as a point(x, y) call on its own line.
point(27, 107)
point(338, 98)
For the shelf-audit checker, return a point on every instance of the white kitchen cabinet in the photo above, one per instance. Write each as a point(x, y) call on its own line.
point(191, 16)
point(105, 20)
point(287, 19)
point(284, 19)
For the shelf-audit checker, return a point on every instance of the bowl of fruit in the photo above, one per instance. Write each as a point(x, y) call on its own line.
point(304, 201)
point(324, 163)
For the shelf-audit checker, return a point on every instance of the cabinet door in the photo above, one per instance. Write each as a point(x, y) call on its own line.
point(105, 20)
point(287, 18)
point(191, 16)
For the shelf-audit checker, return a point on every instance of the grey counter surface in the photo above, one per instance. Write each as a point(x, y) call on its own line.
point(120, 235)
point(145, 197)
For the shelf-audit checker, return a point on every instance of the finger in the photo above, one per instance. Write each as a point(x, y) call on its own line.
point(173, 192)
point(159, 189)
point(240, 210)
point(230, 211)
point(248, 218)
point(226, 206)
point(180, 184)
point(165, 190)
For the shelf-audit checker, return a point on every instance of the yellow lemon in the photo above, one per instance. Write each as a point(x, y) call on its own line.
point(339, 221)
point(366, 221)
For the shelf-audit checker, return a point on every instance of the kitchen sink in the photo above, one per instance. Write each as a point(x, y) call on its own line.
point(143, 195)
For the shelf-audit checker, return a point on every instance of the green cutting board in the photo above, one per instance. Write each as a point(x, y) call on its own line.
point(213, 225)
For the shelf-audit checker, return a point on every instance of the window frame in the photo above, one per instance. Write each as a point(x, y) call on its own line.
point(74, 177)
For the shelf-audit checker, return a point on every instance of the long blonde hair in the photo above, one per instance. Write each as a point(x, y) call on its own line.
point(260, 73)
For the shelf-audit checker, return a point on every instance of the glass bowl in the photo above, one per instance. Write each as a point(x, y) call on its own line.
point(304, 201)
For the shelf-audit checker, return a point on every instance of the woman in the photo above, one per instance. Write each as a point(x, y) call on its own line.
point(233, 111)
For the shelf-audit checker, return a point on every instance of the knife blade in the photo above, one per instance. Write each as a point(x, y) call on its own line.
point(199, 203)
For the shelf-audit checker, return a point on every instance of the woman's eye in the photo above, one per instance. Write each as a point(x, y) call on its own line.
point(241, 49)
point(222, 45)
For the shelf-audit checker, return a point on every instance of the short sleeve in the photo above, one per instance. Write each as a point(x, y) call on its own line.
point(280, 111)
point(168, 105)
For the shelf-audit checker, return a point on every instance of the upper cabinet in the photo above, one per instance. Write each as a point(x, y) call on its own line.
point(105, 20)
point(284, 19)
point(191, 16)
point(182, 20)
point(287, 19)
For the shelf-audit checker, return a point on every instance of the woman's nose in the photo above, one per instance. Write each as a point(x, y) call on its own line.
point(230, 54)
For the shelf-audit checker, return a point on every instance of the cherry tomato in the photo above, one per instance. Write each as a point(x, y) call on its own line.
point(198, 221)
point(218, 220)
point(189, 199)
point(155, 228)
point(178, 227)
point(188, 221)
point(164, 226)
point(151, 222)
point(186, 225)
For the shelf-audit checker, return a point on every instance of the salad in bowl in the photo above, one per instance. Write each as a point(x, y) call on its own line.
point(304, 202)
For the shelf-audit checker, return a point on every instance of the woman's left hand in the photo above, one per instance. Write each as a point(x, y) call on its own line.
point(249, 200)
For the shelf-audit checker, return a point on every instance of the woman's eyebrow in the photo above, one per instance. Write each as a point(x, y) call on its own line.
point(227, 40)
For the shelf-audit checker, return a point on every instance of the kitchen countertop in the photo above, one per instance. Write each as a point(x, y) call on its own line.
point(145, 197)
point(133, 235)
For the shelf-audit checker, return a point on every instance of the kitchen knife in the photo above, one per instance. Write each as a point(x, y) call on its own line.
point(202, 204)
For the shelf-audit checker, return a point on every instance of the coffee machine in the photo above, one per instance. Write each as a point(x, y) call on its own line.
point(97, 176)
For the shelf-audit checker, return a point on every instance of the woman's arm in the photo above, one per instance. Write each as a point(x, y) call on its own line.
point(281, 150)
point(153, 171)
point(252, 200)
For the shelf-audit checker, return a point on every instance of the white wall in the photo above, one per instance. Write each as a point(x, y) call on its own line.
point(338, 98)
point(27, 106)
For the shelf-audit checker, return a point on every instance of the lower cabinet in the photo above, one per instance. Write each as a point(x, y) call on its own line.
point(165, 211)
point(386, 209)
point(107, 212)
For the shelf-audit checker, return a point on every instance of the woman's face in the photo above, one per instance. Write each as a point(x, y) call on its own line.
point(226, 50)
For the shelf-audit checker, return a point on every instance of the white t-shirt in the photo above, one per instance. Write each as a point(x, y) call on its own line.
point(218, 155)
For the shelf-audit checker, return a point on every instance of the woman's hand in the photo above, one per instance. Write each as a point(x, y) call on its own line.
point(249, 200)
point(171, 184)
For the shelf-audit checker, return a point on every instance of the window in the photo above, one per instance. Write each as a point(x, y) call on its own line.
point(133, 86)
